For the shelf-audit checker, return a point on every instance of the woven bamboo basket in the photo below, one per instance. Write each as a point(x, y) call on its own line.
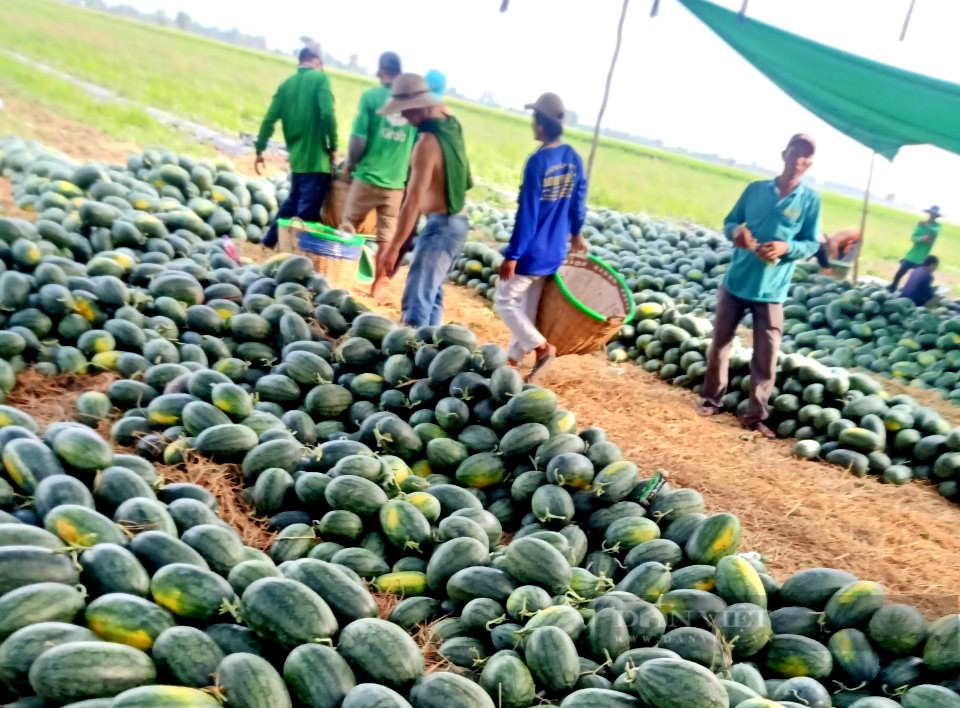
point(333, 209)
point(583, 305)
point(334, 255)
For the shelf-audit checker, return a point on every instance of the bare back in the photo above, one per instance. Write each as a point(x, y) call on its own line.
point(428, 176)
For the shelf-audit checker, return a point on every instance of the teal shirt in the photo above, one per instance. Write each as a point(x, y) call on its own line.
point(794, 219)
point(389, 139)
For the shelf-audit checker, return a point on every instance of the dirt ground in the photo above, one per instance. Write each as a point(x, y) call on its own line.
point(797, 514)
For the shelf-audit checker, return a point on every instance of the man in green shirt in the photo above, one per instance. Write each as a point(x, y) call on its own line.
point(304, 106)
point(379, 156)
point(924, 235)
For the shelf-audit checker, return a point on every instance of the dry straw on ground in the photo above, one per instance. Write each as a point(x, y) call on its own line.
point(51, 399)
point(226, 483)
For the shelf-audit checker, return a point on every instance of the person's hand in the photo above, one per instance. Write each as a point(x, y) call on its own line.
point(347, 175)
point(578, 244)
point(258, 164)
point(334, 158)
point(742, 238)
point(772, 250)
point(507, 270)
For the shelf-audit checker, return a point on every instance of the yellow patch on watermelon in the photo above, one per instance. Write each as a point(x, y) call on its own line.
point(13, 470)
point(857, 590)
point(5, 420)
point(391, 517)
point(724, 541)
point(106, 360)
point(407, 582)
point(160, 418)
point(421, 468)
point(141, 204)
point(170, 600)
point(136, 638)
point(791, 668)
point(84, 309)
point(71, 535)
point(223, 312)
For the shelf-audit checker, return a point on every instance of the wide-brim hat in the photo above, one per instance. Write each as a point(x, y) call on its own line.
point(934, 211)
point(410, 91)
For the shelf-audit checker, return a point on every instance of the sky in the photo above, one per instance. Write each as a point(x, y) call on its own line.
point(675, 81)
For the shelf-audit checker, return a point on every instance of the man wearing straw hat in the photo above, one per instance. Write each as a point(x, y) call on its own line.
point(304, 106)
point(379, 156)
point(550, 213)
point(438, 184)
point(773, 225)
point(924, 236)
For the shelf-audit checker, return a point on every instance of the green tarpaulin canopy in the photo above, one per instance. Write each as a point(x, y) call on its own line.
point(878, 105)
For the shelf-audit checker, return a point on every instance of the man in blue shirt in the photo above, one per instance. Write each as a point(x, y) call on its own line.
point(773, 225)
point(919, 287)
point(550, 213)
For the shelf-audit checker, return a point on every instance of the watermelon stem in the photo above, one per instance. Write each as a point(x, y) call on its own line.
point(231, 608)
point(496, 621)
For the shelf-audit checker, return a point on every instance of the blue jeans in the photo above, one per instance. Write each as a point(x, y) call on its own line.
point(307, 192)
point(436, 248)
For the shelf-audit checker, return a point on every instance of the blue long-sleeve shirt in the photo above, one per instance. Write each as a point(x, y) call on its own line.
point(552, 207)
point(794, 219)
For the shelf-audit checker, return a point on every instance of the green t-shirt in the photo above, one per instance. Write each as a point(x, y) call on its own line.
point(923, 238)
point(389, 142)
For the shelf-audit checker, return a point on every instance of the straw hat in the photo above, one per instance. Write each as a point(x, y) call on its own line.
point(410, 91)
point(934, 211)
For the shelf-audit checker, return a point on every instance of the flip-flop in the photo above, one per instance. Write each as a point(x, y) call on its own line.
point(540, 367)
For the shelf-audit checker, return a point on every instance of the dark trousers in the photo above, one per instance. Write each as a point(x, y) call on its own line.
point(307, 192)
point(905, 267)
point(767, 332)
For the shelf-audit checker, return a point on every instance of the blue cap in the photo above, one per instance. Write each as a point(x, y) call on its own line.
point(436, 82)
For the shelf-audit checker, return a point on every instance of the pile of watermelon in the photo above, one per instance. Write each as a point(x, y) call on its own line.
point(836, 413)
point(525, 553)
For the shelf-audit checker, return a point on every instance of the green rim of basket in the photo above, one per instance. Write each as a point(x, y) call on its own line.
point(589, 311)
point(326, 232)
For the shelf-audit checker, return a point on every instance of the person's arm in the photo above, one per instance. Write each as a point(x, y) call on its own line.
point(359, 134)
point(423, 162)
point(578, 209)
point(355, 151)
point(528, 205)
point(736, 218)
point(269, 122)
point(328, 117)
point(805, 243)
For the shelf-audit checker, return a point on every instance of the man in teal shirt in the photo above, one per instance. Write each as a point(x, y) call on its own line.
point(773, 225)
point(304, 106)
point(379, 156)
point(924, 235)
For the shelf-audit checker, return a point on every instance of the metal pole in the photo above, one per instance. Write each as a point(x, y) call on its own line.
point(863, 218)
point(906, 22)
point(606, 91)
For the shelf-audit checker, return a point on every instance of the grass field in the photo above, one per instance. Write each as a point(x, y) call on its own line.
point(229, 87)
